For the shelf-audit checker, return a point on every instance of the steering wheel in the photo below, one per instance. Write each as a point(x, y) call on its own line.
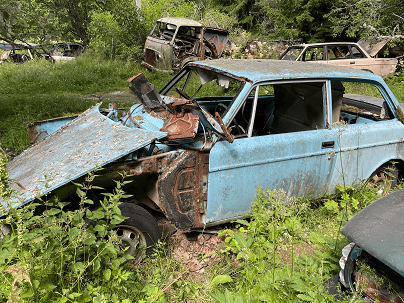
point(239, 131)
point(220, 109)
point(182, 93)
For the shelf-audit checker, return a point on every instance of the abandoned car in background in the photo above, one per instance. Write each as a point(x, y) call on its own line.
point(9, 51)
point(64, 52)
point(58, 52)
point(374, 262)
point(362, 55)
point(176, 41)
point(198, 150)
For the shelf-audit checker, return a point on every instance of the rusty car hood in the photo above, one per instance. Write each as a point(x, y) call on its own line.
point(372, 47)
point(378, 229)
point(90, 141)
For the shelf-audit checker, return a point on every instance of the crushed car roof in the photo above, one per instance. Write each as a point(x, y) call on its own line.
point(256, 70)
point(179, 21)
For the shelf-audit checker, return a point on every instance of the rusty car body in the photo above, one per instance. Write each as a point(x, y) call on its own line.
point(198, 150)
point(362, 55)
point(175, 41)
point(374, 262)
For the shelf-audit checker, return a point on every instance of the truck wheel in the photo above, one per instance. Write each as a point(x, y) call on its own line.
point(139, 232)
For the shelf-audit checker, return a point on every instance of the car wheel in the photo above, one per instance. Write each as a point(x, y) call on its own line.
point(385, 178)
point(139, 232)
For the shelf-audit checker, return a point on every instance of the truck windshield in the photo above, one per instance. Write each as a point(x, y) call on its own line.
point(163, 31)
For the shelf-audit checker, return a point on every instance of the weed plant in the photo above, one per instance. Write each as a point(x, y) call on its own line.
point(52, 254)
point(287, 250)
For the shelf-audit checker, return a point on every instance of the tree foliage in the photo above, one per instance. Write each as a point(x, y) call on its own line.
point(299, 19)
point(363, 18)
point(21, 20)
point(117, 28)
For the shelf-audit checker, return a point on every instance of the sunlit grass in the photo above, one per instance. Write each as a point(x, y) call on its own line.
point(39, 90)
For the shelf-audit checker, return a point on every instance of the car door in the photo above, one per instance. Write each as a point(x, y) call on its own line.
point(286, 146)
point(380, 133)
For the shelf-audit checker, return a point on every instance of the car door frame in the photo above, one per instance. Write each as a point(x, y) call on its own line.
point(230, 198)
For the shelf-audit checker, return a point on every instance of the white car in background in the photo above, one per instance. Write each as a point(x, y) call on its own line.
point(65, 51)
point(377, 58)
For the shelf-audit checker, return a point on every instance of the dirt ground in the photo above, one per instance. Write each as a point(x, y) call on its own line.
point(120, 96)
point(188, 249)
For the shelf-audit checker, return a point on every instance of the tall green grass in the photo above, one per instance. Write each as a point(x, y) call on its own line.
point(39, 90)
point(85, 75)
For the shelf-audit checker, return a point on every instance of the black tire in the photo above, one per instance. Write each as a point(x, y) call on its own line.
point(138, 230)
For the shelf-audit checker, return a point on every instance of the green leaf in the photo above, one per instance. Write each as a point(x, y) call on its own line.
point(63, 300)
point(117, 210)
point(221, 279)
point(27, 293)
point(305, 298)
point(74, 295)
point(52, 211)
point(116, 220)
point(80, 193)
point(97, 187)
point(98, 214)
point(240, 239)
point(79, 267)
point(126, 196)
point(299, 285)
point(97, 265)
point(99, 228)
point(90, 240)
point(63, 204)
point(107, 274)
point(73, 233)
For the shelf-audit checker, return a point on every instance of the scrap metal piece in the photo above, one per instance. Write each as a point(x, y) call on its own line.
point(86, 143)
point(145, 91)
point(181, 126)
point(229, 137)
point(39, 130)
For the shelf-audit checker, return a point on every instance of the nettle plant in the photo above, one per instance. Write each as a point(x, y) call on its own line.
point(54, 254)
point(269, 269)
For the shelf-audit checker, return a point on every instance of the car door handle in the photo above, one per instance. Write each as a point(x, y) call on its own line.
point(328, 144)
point(352, 62)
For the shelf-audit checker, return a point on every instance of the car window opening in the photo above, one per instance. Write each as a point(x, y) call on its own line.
point(281, 108)
point(296, 107)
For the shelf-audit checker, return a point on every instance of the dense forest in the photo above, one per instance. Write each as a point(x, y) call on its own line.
point(118, 28)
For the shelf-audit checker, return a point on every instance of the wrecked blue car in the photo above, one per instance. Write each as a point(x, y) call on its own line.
point(198, 150)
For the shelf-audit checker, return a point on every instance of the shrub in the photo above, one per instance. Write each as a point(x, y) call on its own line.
point(52, 254)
